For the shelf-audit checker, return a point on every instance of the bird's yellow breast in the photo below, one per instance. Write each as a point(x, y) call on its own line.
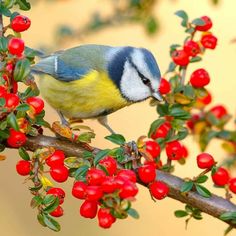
point(89, 97)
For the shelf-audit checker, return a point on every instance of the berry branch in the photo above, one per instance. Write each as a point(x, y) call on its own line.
point(214, 206)
point(106, 180)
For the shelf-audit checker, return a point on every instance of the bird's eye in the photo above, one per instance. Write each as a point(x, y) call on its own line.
point(145, 80)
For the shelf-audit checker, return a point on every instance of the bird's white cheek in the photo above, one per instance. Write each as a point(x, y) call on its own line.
point(131, 85)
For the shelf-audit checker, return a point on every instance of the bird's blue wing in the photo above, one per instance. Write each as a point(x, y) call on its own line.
point(74, 63)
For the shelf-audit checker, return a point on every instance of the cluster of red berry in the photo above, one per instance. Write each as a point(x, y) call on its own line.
point(10, 98)
point(220, 176)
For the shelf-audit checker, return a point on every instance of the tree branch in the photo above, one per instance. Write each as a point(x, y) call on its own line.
point(1, 22)
point(214, 206)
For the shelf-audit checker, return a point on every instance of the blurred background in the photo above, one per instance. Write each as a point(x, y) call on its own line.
point(154, 27)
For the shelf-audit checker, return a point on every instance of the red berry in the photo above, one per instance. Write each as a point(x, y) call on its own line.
point(58, 212)
point(9, 67)
point(110, 164)
point(185, 151)
point(109, 185)
point(147, 173)
point(88, 209)
point(209, 41)
point(162, 131)
point(23, 167)
point(191, 48)
point(120, 181)
point(174, 150)
point(232, 185)
point(79, 189)
point(36, 103)
point(127, 175)
point(219, 111)
point(16, 138)
point(221, 177)
point(16, 46)
point(12, 101)
point(105, 219)
point(206, 99)
point(199, 78)
point(59, 173)
point(206, 26)
point(57, 192)
point(180, 57)
point(153, 148)
point(3, 92)
point(164, 86)
point(20, 23)
point(159, 190)
point(128, 190)
point(93, 193)
point(205, 161)
point(56, 159)
point(95, 176)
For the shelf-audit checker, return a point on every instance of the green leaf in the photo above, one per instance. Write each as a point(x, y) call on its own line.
point(116, 138)
point(51, 223)
point(171, 67)
point(22, 70)
point(178, 112)
point(4, 134)
point(204, 192)
point(23, 154)
point(9, 3)
point(23, 107)
point(11, 120)
point(151, 25)
point(155, 125)
point(36, 201)
point(189, 91)
point(195, 59)
point(182, 134)
point(53, 206)
point(3, 44)
point(163, 109)
point(81, 171)
point(23, 4)
point(180, 213)
point(40, 220)
point(186, 187)
point(5, 11)
point(198, 21)
point(100, 155)
point(3, 124)
point(202, 179)
point(182, 14)
point(205, 138)
point(133, 213)
point(48, 199)
point(2, 102)
point(231, 215)
point(86, 137)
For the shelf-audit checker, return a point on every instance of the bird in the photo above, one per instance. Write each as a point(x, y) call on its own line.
point(92, 81)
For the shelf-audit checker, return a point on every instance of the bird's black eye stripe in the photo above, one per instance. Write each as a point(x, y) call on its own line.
point(144, 79)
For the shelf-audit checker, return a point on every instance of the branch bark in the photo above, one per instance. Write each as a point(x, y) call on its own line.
point(214, 206)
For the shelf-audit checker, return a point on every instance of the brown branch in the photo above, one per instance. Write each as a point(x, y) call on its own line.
point(1, 22)
point(214, 206)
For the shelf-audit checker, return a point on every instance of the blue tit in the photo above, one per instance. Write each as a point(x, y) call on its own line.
point(92, 81)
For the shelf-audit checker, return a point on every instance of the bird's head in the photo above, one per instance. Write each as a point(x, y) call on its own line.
point(136, 73)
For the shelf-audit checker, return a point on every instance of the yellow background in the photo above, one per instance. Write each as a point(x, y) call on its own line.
point(157, 219)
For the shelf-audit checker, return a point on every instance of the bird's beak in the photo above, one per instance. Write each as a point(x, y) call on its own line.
point(157, 96)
